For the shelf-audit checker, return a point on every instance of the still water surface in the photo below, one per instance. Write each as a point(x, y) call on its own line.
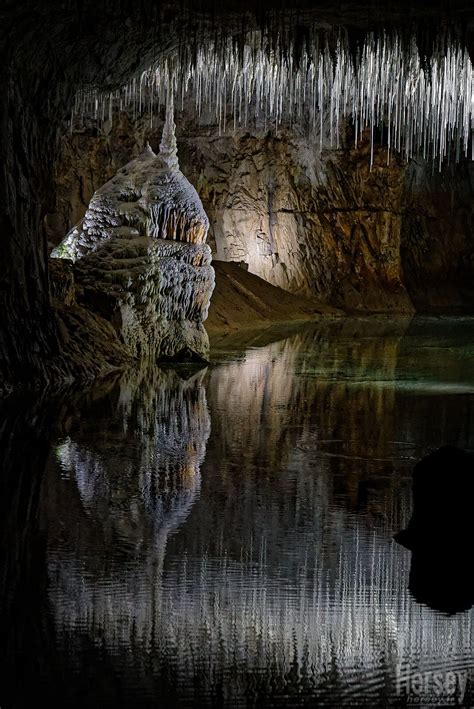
point(223, 537)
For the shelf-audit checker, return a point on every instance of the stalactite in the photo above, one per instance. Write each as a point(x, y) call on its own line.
point(426, 106)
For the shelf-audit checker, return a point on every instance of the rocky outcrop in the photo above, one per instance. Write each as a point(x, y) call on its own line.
point(155, 292)
point(90, 345)
point(320, 224)
point(139, 256)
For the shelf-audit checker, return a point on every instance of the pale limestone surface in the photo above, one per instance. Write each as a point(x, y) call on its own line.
point(141, 249)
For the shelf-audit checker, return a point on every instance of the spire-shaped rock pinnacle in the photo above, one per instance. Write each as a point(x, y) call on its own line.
point(168, 146)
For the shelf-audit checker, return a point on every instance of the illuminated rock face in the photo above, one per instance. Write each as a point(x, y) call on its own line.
point(325, 225)
point(140, 257)
point(388, 238)
point(149, 196)
point(156, 291)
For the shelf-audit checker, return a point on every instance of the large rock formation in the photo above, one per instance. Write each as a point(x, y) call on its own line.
point(139, 255)
point(395, 237)
point(103, 44)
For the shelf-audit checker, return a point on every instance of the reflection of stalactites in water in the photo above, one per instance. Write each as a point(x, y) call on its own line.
point(273, 584)
point(344, 605)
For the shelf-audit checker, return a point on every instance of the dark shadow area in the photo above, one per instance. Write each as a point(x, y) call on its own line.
point(122, 459)
point(26, 430)
point(441, 530)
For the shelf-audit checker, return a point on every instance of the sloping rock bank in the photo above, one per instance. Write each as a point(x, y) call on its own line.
point(243, 301)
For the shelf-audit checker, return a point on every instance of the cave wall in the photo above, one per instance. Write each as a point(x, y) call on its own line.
point(47, 51)
point(437, 236)
point(393, 238)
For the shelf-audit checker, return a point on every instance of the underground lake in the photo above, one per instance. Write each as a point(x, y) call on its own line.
point(223, 535)
point(236, 353)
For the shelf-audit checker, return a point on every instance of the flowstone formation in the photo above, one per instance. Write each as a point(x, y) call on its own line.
point(140, 257)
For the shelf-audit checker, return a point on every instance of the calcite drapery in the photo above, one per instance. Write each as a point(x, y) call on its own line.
point(140, 254)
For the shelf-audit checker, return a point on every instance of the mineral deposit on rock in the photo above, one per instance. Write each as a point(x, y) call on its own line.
point(140, 254)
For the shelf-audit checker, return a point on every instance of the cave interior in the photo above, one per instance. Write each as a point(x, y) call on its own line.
point(236, 304)
point(330, 147)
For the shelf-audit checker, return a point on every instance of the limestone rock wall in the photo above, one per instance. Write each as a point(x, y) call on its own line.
point(317, 224)
point(323, 226)
point(437, 237)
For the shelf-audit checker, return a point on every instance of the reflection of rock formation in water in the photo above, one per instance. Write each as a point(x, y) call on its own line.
point(271, 586)
point(340, 403)
point(161, 441)
point(130, 474)
point(361, 398)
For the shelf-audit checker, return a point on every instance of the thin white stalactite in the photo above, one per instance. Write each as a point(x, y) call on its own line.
point(424, 108)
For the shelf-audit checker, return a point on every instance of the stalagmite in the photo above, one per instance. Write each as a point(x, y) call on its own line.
point(147, 197)
point(140, 249)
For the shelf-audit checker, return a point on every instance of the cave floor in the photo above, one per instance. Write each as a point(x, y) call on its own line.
point(222, 536)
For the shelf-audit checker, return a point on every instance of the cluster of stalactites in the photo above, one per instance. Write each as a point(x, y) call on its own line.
point(424, 107)
point(171, 221)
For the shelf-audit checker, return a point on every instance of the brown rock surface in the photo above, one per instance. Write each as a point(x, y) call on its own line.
point(243, 301)
point(90, 345)
point(390, 239)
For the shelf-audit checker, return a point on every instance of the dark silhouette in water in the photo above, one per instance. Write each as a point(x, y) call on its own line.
point(441, 530)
